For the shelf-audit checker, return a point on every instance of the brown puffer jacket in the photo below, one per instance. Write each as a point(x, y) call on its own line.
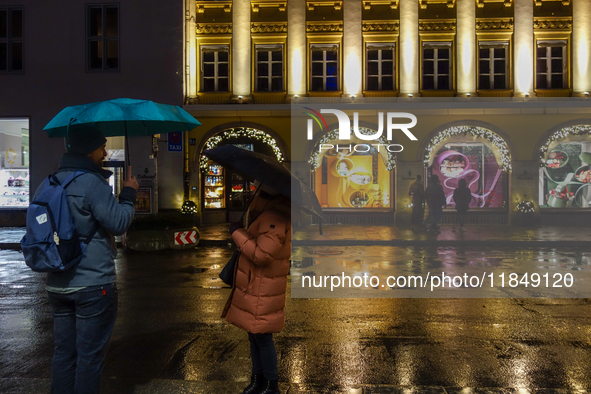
point(257, 301)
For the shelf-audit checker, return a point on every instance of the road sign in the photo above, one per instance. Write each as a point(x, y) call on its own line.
point(175, 142)
point(185, 237)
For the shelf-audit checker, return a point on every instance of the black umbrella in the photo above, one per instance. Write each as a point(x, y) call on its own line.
point(269, 172)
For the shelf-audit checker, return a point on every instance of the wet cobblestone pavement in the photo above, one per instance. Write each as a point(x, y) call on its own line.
point(169, 337)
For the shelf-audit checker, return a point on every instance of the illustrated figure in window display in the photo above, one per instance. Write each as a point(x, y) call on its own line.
point(565, 186)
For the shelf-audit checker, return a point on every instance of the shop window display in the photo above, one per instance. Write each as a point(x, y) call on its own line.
point(14, 163)
point(475, 163)
point(353, 180)
point(565, 179)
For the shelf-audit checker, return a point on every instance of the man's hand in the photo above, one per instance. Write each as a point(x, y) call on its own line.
point(130, 181)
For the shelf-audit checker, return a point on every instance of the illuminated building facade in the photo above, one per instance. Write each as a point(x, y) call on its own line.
point(449, 62)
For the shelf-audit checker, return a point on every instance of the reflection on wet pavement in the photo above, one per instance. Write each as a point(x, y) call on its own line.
point(169, 329)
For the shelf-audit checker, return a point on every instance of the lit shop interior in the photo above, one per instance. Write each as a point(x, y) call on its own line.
point(226, 193)
point(14, 163)
point(565, 180)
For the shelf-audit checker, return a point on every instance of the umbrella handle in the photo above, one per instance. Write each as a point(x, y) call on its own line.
point(127, 161)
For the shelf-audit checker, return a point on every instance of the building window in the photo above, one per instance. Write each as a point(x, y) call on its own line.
point(492, 65)
point(215, 68)
point(325, 68)
point(380, 67)
point(437, 65)
point(269, 68)
point(11, 39)
point(103, 37)
point(551, 65)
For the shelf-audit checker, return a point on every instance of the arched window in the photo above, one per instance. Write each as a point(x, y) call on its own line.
point(565, 173)
point(475, 154)
point(354, 176)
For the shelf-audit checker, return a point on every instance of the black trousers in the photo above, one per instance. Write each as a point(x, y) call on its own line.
point(264, 355)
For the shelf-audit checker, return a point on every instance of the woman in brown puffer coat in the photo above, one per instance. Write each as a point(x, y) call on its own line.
point(257, 301)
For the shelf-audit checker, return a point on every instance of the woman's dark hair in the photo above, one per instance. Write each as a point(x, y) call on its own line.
point(462, 183)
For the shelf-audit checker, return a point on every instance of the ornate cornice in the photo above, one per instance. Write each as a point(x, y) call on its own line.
point(324, 27)
point(214, 28)
point(494, 24)
point(553, 23)
point(268, 28)
point(444, 25)
point(380, 26)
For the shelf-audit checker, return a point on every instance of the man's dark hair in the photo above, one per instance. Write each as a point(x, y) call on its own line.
point(419, 177)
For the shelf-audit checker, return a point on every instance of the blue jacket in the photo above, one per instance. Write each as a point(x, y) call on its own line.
point(92, 205)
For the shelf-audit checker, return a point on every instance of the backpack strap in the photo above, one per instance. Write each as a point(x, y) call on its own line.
point(65, 184)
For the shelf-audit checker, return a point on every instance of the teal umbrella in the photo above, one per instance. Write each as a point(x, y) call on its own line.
point(123, 117)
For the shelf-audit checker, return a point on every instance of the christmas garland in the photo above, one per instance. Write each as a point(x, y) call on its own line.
point(478, 132)
point(240, 132)
point(560, 134)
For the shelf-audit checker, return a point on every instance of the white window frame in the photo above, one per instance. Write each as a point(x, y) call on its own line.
point(436, 46)
point(548, 45)
point(380, 47)
point(491, 46)
point(216, 49)
point(324, 48)
point(270, 49)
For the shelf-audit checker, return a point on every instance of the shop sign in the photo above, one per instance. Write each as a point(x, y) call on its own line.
point(175, 142)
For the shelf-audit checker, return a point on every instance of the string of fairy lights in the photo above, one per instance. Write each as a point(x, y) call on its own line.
point(240, 132)
point(526, 207)
point(559, 135)
point(478, 132)
point(334, 135)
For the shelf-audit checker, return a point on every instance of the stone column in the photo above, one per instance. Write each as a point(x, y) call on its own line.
point(409, 47)
point(296, 48)
point(241, 50)
point(190, 53)
point(466, 51)
point(352, 48)
point(581, 47)
point(523, 51)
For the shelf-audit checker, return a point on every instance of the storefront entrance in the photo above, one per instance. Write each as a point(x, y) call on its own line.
point(225, 193)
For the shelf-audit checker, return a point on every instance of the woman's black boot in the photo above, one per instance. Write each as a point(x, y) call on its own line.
point(270, 387)
point(256, 384)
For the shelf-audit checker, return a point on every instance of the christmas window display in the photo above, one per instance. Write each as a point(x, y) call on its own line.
point(565, 179)
point(475, 163)
point(352, 180)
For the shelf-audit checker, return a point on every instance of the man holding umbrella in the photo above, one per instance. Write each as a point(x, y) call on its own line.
point(84, 298)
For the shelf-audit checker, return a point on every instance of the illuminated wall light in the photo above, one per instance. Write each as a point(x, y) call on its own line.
point(466, 39)
point(353, 74)
point(581, 46)
point(241, 50)
point(524, 46)
point(409, 46)
point(352, 47)
point(296, 45)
